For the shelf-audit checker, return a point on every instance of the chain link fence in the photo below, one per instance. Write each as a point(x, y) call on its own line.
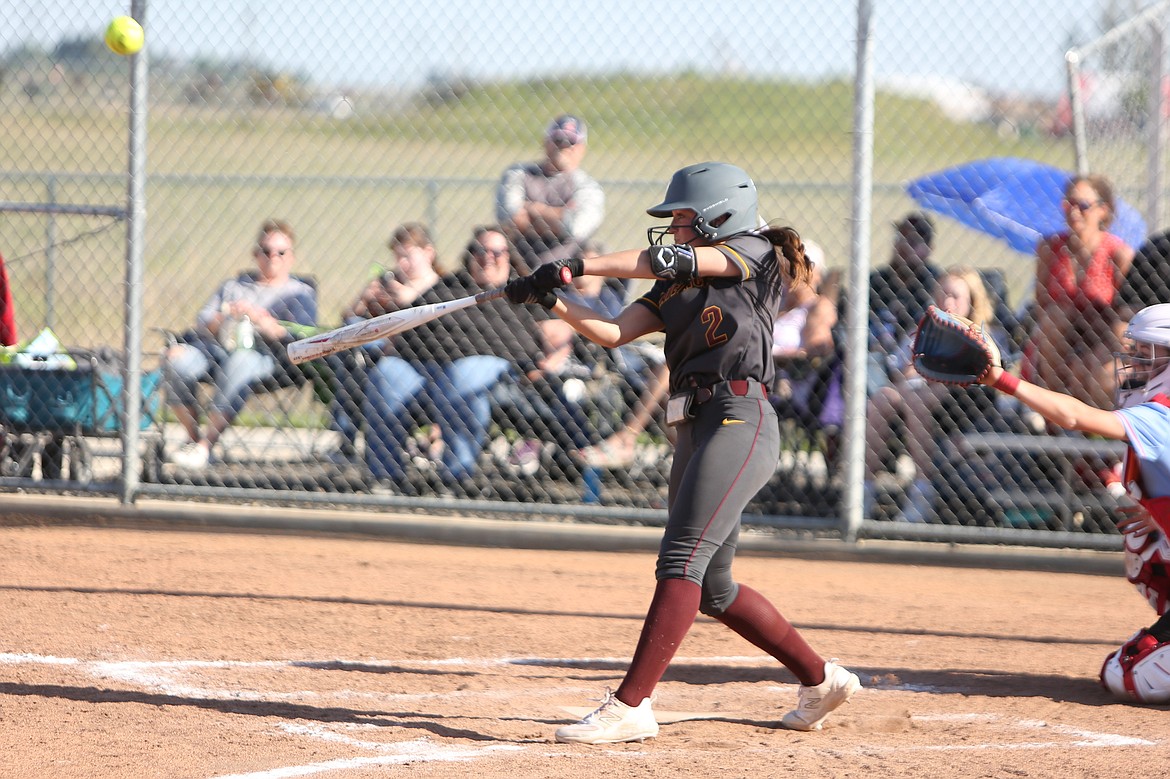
point(349, 123)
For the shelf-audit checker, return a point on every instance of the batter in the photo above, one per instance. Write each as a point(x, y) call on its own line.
point(716, 295)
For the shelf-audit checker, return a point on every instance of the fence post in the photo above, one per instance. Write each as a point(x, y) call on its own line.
point(857, 317)
point(135, 234)
point(1156, 142)
point(50, 249)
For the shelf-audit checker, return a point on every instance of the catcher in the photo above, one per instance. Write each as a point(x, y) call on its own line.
point(953, 350)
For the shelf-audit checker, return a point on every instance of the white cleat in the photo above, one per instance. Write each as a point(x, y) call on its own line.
point(611, 723)
point(818, 702)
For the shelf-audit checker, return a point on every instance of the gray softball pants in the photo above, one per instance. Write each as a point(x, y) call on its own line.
point(723, 456)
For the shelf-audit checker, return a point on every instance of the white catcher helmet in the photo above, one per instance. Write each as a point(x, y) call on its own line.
point(1144, 676)
point(1142, 369)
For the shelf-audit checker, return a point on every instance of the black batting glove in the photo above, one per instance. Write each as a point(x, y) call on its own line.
point(524, 292)
point(550, 275)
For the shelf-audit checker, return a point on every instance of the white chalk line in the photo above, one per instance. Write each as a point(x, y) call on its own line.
point(157, 675)
point(165, 676)
point(1081, 738)
point(401, 753)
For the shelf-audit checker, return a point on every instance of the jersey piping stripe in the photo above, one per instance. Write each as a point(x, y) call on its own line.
point(715, 513)
point(747, 271)
point(648, 303)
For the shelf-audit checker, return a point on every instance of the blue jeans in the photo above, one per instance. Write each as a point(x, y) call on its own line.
point(233, 375)
point(455, 395)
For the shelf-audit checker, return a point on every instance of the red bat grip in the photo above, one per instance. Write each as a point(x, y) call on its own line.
point(566, 275)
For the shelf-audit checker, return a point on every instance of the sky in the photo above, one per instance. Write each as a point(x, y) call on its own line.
point(1004, 45)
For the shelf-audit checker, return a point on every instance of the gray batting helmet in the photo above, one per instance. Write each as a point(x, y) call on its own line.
point(722, 196)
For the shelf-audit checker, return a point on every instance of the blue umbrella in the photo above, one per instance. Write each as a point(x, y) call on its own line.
point(1014, 200)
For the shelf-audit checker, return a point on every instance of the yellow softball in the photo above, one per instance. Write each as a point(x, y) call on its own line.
point(124, 36)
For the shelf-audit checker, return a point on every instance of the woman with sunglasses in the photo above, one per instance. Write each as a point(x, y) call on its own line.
point(1078, 274)
point(447, 369)
point(238, 342)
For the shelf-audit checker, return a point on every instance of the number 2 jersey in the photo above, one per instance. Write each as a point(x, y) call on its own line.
point(720, 328)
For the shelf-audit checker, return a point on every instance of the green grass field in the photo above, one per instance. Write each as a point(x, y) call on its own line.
point(216, 174)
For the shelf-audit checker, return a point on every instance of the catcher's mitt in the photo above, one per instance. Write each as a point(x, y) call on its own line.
point(953, 350)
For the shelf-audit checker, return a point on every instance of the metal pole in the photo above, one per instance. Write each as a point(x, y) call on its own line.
point(135, 230)
point(857, 316)
point(1157, 139)
point(50, 252)
point(1072, 61)
point(1154, 14)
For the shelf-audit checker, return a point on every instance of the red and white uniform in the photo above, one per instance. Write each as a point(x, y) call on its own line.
point(1140, 670)
point(1147, 475)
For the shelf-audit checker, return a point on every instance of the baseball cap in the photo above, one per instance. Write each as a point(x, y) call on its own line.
point(566, 130)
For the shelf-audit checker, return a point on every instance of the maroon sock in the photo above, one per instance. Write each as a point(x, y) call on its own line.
point(756, 619)
point(671, 614)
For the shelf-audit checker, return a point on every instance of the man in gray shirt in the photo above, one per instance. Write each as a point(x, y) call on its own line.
point(548, 208)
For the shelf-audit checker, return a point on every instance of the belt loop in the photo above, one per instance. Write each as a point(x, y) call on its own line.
point(739, 387)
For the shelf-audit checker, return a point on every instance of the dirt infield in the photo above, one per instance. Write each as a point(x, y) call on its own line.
point(131, 653)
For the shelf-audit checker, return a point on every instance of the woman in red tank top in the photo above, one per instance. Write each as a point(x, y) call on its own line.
point(1078, 273)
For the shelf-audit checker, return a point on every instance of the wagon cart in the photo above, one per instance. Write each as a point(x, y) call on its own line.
point(51, 408)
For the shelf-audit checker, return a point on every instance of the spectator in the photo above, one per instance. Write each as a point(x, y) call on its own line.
point(608, 295)
point(1148, 280)
point(900, 292)
point(447, 368)
point(617, 451)
point(581, 393)
point(1078, 275)
point(649, 378)
point(808, 386)
point(548, 208)
point(914, 402)
point(239, 341)
point(410, 281)
point(7, 312)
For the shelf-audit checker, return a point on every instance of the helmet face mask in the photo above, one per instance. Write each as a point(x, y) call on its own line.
point(1142, 370)
point(722, 196)
point(682, 221)
point(657, 235)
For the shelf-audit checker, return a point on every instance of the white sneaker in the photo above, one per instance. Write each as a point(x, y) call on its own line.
point(193, 456)
point(612, 723)
point(817, 702)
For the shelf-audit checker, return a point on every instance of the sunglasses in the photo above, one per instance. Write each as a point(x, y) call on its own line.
point(264, 250)
point(1082, 205)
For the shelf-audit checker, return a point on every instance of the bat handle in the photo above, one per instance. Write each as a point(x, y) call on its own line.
point(493, 294)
